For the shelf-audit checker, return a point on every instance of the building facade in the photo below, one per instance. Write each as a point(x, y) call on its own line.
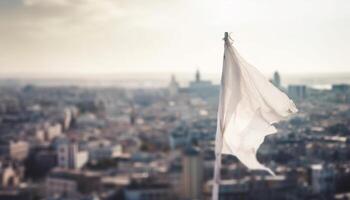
point(192, 173)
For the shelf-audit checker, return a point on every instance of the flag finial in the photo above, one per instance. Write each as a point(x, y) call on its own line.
point(227, 37)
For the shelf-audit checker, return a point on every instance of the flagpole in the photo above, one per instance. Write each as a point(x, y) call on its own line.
point(218, 149)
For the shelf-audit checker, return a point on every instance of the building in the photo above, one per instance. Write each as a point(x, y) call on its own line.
point(45, 160)
point(341, 92)
point(203, 88)
point(297, 92)
point(148, 191)
point(67, 118)
point(178, 139)
point(71, 183)
point(173, 87)
point(14, 149)
point(192, 173)
point(321, 179)
point(276, 80)
point(16, 194)
point(70, 156)
point(10, 175)
point(229, 189)
point(342, 88)
point(61, 185)
point(103, 150)
point(48, 132)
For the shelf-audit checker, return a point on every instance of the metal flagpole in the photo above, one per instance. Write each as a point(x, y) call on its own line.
point(218, 145)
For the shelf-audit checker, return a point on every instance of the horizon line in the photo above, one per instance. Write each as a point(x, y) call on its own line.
point(145, 75)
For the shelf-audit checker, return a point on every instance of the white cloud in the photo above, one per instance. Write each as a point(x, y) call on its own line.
point(56, 17)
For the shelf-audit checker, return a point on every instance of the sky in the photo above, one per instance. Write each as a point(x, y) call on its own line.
point(74, 38)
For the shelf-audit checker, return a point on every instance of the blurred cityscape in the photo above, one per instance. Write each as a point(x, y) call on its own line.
point(73, 142)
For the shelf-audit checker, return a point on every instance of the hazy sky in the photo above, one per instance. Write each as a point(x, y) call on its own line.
point(88, 37)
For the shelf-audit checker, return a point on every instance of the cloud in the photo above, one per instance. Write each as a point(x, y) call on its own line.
point(42, 18)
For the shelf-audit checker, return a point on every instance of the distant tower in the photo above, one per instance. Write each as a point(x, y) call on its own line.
point(198, 76)
point(67, 119)
point(173, 86)
point(132, 115)
point(277, 79)
point(192, 173)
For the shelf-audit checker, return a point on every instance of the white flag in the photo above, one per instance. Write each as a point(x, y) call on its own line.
point(249, 105)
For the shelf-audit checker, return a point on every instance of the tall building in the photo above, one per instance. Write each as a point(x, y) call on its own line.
point(69, 155)
point(276, 79)
point(132, 114)
point(192, 173)
point(198, 83)
point(198, 76)
point(173, 86)
point(67, 118)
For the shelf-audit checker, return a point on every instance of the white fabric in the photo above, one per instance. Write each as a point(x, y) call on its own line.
point(249, 104)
